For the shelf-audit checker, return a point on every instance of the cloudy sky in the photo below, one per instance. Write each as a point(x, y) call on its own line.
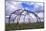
point(31, 6)
point(36, 7)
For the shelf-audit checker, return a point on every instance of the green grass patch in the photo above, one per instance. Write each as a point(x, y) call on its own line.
point(24, 26)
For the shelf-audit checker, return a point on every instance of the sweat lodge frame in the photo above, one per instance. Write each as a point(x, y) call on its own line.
point(38, 19)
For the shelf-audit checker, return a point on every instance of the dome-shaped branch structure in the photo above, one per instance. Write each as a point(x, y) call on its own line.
point(18, 14)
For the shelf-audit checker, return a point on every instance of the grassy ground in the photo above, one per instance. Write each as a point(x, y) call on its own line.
point(24, 26)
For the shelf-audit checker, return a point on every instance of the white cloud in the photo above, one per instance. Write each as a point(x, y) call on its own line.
point(12, 6)
point(40, 14)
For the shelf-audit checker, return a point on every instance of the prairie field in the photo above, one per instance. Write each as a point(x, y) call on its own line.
point(24, 26)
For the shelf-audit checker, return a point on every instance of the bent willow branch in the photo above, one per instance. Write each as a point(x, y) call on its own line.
point(18, 14)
